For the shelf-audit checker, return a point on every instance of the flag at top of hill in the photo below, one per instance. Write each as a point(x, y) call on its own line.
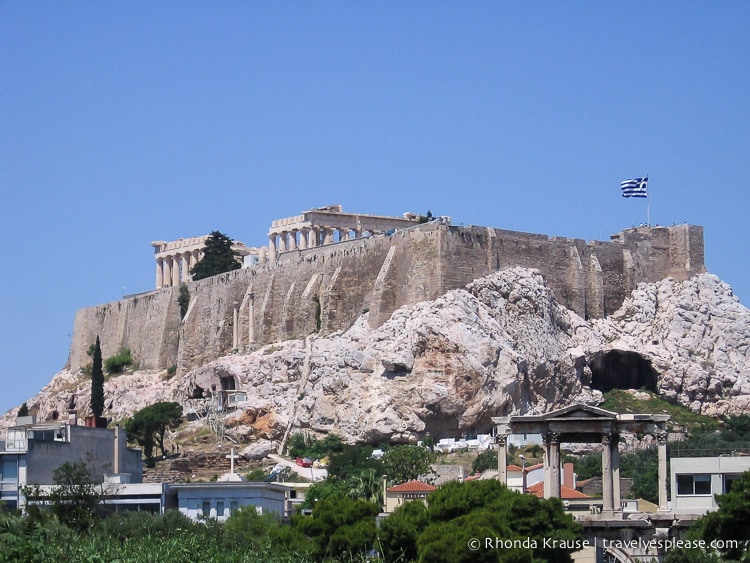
point(634, 188)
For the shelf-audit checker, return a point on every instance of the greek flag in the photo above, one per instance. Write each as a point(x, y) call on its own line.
point(635, 187)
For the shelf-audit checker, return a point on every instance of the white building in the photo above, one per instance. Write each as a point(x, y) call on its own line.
point(33, 450)
point(219, 500)
point(697, 480)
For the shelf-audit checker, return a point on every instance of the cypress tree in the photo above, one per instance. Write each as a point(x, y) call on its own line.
point(97, 381)
point(218, 257)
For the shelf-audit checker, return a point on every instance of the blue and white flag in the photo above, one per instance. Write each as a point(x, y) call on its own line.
point(637, 187)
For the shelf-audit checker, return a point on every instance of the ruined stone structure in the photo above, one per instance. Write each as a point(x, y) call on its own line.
point(585, 424)
point(175, 259)
point(326, 225)
point(325, 288)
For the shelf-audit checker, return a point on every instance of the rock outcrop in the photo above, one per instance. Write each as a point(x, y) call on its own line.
point(502, 344)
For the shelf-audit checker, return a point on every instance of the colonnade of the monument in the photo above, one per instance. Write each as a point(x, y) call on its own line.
point(172, 270)
point(302, 238)
point(555, 429)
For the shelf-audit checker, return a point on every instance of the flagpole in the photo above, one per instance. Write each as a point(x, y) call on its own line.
point(648, 204)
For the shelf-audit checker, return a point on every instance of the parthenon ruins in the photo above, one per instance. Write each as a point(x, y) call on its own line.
point(326, 225)
point(175, 259)
point(316, 227)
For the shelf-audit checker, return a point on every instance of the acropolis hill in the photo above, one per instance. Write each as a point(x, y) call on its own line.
point(324, 268)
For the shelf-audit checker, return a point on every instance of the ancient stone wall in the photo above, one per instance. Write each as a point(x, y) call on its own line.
point(328, 287)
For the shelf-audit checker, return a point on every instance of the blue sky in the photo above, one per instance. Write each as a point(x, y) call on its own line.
point(123, 123)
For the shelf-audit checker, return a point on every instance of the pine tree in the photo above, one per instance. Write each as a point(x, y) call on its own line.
point(97, 381)
point(218, 257)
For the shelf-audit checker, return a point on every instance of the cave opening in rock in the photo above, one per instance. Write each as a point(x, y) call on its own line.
point(620, 369)
point(228, 383)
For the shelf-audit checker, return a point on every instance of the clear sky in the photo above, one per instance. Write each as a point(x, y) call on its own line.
point(128, 122)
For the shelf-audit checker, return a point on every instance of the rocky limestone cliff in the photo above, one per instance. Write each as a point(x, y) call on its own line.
point(445, 366)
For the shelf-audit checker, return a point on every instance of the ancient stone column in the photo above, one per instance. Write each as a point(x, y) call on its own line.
point(272, 248)
point(250, 319)
point(176, 270)
point(303, 233)
point(553, 449)
point(661, 436)
point(167, 274)
point(312, 237)
point(615, 446)
point(607, 492)
point(235, 328)
point(282, 242)
point(293, 240)
point(327, 235)
point(502, 459)
point(159, 272)
point(185, 270)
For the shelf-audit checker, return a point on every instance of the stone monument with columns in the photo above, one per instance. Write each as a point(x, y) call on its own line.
point(328, 225)
point(585, 424)
point(175, 259)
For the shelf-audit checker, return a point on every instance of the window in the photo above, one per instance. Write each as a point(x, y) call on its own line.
point(9, 469)
point(219, 508)
point(233, 506)
point(729, 480)
point(694, 484)
point(206, 511)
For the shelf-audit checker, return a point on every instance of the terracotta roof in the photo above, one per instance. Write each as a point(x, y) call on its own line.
point(473, 477)
point(585, 482)
point(513, 467)
point(412, 486)
point(537, 489)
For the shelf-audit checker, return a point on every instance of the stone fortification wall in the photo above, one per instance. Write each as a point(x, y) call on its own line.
point(330, 286)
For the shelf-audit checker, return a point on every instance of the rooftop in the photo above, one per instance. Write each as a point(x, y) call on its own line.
point(412, 486)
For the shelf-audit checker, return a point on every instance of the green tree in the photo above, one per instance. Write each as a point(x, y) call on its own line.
point(403, 463)
point(367, 485)
point(73, 499)
point(264, 532)
point(340, 526)
point(149, 426)
point(183, 299)
point(448, 542)
point(97, 381)
point(730, 521)
point(218, 257)
point(23, 410)
point(352, 461)
point(485, 460)
point(400, 531)
point(489, 507)
point(330, 487)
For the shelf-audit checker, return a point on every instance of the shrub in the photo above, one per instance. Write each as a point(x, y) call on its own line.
point(183, 299)
point(116, 364)
point(485, 460)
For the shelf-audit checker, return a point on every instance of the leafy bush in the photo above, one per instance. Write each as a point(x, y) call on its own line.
point(183, 299)
point(485, 460)
point(303, 445)
point(256, 475)
point(116, 364)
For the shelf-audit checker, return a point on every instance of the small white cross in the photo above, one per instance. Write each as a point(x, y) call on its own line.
point(231, 458)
